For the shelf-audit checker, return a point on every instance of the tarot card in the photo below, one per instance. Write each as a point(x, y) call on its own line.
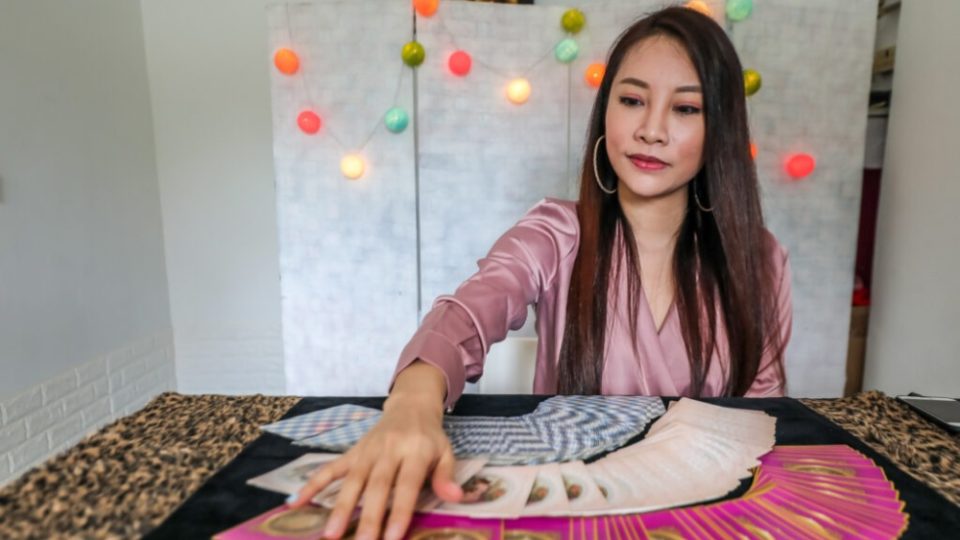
point(317, 422)
point(665, 525)
point(819, 528)
point(615, 488)
point(538, 528)
point(865, 525)
point(583, 494)
point(549, 495)
point(494, 492)
point(444, 527)
point(463, 470)
point(305, 523)
point(291, 477)
point(341, 439)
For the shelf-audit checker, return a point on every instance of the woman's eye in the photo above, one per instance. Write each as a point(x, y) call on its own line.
point(630, 101)
point(687, 109)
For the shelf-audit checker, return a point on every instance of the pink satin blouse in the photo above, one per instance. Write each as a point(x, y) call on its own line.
point(532, 264)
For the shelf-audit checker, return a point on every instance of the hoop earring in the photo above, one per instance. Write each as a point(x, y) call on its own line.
point(596, 169)
point(696, 199)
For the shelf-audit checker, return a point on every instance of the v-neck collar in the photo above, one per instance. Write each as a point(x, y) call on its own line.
point(645, 305)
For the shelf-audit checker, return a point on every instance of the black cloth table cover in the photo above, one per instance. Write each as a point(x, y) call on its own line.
point(225, 500)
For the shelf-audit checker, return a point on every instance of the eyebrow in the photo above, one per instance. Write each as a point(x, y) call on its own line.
point(643, 84)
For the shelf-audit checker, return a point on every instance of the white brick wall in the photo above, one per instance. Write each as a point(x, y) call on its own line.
point(48, 418)
point(230, 360)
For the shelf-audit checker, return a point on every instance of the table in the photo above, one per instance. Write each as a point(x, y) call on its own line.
point(177, 469)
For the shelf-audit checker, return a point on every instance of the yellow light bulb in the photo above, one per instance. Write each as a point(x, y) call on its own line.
point(352, 166)
point(518, 91)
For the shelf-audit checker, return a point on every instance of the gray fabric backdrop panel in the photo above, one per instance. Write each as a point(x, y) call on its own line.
point(483, 160)
point(347, 248)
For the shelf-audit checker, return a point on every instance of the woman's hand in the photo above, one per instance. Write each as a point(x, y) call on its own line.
point(396, 455)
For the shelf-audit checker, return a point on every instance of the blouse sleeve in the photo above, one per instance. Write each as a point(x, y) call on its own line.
point(770, 380)
point(457, 333)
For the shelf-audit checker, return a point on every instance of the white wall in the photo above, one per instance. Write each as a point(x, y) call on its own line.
point(83, 291)
point(210, 95)
point(913, 340)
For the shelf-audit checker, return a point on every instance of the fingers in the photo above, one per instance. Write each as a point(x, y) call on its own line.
point(405, 497)
point(321, 479)
point(394, 457)
point(375, 498)
point(353, 484)
point(442, 481)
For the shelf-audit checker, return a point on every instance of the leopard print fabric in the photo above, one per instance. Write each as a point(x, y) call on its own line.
point(128, 477)
point(922, 449)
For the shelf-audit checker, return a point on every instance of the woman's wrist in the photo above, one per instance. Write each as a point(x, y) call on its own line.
point(413, 401)
point(420, 386)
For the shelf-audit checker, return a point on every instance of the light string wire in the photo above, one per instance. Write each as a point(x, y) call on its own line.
point(489, 67)
point(309, 95)
point(396, 94)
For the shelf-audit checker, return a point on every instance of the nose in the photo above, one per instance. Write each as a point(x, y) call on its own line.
point(653, 127)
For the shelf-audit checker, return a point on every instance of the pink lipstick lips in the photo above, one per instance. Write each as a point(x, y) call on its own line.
point(647, 163)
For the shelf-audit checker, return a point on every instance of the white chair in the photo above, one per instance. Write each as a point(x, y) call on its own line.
point(509, 368)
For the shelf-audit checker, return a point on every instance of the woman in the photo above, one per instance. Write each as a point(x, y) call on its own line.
point(660, 280)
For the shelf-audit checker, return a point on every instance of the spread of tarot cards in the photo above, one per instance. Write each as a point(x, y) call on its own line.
point(694, 452)
point(562, 428)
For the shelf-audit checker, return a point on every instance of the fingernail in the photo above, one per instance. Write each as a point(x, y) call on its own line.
point(292, 498)
point(394, 532)
point(332, 526)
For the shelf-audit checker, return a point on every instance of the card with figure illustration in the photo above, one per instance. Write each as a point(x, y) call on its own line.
point(291, 477)
point(583, 494)
point(549, 495)
point(494, 492)
point(463, 470)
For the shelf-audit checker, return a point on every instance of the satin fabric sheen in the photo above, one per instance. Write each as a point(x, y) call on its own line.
point(532, 264)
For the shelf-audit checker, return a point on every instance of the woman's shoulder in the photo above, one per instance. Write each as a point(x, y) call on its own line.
point(778, 252)
point(779, 256)
point(550, 230)
point(557, 217)
point(560, 209)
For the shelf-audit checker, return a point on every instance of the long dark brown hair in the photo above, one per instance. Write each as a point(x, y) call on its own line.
point(722, 263)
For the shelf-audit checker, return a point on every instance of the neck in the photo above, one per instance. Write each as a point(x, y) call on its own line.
point(655, 222)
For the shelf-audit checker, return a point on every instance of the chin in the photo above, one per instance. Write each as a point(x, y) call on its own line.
point(647, 190)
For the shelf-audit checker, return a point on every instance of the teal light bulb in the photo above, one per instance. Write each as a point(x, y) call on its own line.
point(396, 120)
point(567, 50)
point(738, 10)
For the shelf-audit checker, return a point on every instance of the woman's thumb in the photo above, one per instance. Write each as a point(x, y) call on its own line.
point(442, 482)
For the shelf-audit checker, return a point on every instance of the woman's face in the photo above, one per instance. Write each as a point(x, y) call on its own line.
point(654, 121)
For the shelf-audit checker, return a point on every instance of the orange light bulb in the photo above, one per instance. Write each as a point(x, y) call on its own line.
point(426, 8)
point(701, 6)
point(286, 61)
point(594, 74)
